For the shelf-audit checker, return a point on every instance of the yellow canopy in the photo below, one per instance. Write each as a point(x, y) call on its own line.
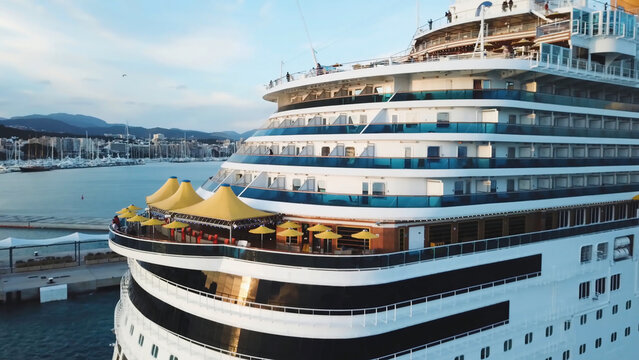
point(137, 218)
point(289, 225)
point(318, 228)
point(636, 197)
point(328, 235)
point(126, 215)
point(223, 205)
point(365, 234)
point(262, 230)
point(152, 222)
point(290, 232)
point(631, 6)
point(183, 197)
point(175, 225)
point(133, 207)
point(122, 211)
point(165, 191)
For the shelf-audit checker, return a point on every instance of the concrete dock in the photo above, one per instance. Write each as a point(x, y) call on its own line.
point(53, 222)
point(85, 278)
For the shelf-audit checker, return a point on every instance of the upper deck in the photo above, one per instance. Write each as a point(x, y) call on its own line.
point(569, 39)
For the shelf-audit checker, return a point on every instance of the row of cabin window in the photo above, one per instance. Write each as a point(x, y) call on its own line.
point(578, 121)
point(154, 348)
point(600, 286)
point(528, 338)
point(434, 152)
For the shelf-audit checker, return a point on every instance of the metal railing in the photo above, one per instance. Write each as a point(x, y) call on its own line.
point(360, 262)
point(125, 301)
point(416, 349)
point(139, 271)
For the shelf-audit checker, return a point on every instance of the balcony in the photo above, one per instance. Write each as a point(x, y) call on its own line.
point(395, 201)
point(483, 94)
point(450, 128)
point(372, 261)
point(427, 163)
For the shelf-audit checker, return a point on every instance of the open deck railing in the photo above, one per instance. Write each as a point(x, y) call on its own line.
point(360, 262)
point(137, 270)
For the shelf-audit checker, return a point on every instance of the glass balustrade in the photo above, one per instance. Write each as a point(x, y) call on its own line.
point(362, 261)
point(425, 163)
point(481, 94)
point(357, 200)
point(450, 128)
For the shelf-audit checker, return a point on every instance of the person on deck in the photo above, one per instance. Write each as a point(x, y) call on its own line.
point(116, 222)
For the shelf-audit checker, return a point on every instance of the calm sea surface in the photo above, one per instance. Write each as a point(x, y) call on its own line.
point(79, 328)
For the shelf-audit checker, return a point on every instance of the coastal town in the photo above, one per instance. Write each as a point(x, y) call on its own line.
point(52, 152)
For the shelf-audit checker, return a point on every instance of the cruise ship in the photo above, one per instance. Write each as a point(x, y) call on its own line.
point(473, 198)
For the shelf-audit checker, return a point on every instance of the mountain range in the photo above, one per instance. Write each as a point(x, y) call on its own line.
point(80, 125)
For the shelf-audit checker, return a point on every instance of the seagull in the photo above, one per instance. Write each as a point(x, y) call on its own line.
point(123, 75)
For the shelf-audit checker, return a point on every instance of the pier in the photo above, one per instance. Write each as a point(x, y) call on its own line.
point(85, 278)
point(53, 222)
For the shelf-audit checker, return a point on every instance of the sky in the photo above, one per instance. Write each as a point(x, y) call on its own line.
point(197, 65)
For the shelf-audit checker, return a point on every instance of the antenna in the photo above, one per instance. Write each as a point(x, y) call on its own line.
point(308, 35)
point(417, 3)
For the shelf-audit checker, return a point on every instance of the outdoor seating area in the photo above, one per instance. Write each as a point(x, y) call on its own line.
point(178, 214)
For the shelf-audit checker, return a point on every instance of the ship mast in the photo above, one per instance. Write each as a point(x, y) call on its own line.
point(481, 10)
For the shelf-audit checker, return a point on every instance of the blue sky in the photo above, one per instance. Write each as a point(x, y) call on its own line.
point(198, 65)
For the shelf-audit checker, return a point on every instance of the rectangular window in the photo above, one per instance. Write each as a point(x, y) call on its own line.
point(154, 351)
point(141, 339)
point(627, 331)
point(548, 331)
point(566, 355)
point(599, 314)
point(433, 151)
point(628, 304)
point(602, 251)
point(584, 290)
point(459, 357)
point(131, 330)
point(485, 352)
point(443, 118)
point(586, 253)
point(379, 188)
point(566, 325)
point(582, 349)
point(600, 286)
point(613, 337)
point(615, 282)
point(528, 338)
point(508, 344)
point(598, 343)
point(583, 319)
point(615, 309)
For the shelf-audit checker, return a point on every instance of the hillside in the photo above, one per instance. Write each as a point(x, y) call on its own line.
point(81, 125)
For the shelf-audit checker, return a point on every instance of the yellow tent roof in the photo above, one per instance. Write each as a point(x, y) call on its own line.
point(183, 197)
point(223, 205)
point(169, 188)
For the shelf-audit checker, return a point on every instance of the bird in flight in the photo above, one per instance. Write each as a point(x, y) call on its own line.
point(123, 75)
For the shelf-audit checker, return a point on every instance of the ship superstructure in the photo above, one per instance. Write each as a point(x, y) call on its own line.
point(494, 167)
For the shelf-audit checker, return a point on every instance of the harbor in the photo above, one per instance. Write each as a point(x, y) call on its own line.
point(81, 279)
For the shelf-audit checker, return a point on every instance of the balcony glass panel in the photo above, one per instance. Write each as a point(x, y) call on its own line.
point(485, 94)
point(355, 200)
point(425, 163)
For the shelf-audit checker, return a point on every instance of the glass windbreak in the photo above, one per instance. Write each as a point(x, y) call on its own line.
point(432, 162)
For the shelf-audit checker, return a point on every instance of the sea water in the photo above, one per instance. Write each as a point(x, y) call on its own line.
point(79, 328)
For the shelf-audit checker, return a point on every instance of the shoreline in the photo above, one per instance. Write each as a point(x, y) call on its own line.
point(50, 222)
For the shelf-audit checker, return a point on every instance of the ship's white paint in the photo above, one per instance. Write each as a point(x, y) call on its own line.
point(535, 304)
